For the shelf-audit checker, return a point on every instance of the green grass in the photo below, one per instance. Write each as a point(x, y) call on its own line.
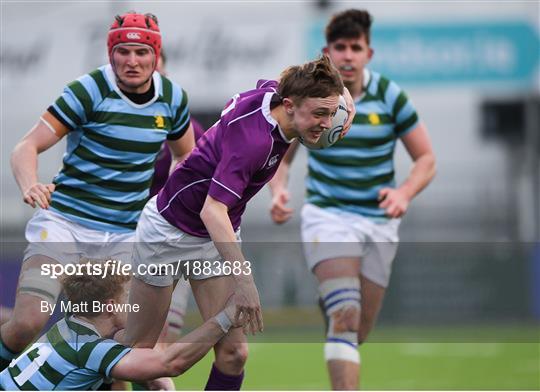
point(289, 356)
point(389, 366)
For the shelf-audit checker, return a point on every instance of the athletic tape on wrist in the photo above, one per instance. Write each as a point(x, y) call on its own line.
point(224, 321)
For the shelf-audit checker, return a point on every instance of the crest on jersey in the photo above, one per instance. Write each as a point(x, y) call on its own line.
point(159, 122)
point(44, 234)
point(374, 119)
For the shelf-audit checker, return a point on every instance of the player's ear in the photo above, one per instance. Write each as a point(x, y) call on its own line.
point(325, 50)
point(371, 52)
point(288, 104)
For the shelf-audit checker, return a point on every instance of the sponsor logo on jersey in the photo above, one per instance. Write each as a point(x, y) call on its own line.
point(44, 234)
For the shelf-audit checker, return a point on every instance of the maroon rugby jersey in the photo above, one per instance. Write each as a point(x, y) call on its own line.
point(232, 161)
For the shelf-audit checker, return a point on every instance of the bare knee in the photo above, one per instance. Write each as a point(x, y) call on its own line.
point(232, 357)
point(345, 320)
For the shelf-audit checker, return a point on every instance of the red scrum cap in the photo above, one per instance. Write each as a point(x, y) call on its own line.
point(134, 28)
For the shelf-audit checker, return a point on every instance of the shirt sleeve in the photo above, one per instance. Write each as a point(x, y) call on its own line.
point(241, 156)
point(105, 355)
point(74, 106)
point(181, 118)
point(402, 110)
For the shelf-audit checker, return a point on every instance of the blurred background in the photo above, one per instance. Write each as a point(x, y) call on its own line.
point(470, 250)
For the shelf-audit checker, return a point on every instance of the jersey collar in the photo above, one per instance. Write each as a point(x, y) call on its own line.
point(365, 84)
point(111, 77)
point(80, 326)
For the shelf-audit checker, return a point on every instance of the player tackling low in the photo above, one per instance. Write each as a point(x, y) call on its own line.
point(79, 353)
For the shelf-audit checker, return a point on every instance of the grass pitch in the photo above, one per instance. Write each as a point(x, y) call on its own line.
point(493, 358)
point(389, 366)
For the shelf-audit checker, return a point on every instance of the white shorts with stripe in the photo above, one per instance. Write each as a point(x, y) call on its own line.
point(329, 235)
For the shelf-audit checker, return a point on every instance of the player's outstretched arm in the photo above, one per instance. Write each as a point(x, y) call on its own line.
point(24, 164)
point(143, 364)
point(279, 211)
point(216, 219)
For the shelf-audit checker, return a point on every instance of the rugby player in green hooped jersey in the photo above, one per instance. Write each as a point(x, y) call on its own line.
point(115, 120)
point(353, 208)
point(79, 352)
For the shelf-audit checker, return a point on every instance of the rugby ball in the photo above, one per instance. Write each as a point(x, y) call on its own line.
point(331, 135)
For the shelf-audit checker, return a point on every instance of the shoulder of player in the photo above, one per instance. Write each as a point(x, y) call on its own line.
point(249, 127)
point(90, 89)
point(172, 92)
point(385, 90)
point(267, 84)
point(380, 83)
point(91, 85)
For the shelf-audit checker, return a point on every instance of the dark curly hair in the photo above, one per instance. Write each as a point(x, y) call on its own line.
point(349, 24)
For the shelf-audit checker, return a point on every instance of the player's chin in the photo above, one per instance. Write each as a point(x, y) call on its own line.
point(132, 81)
point(348, 78)
point(313, 136)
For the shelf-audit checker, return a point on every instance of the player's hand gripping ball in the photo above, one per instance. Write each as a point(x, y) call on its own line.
point(331, 135)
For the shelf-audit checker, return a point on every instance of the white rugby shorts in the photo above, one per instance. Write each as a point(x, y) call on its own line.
point(51, 234)
point(159, 243)
point(329, 235)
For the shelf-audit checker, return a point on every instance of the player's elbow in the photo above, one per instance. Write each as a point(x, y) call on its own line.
point(21, 152)
point(206, 213)
point(177, 367)
point(211, 210)
point(432, 165)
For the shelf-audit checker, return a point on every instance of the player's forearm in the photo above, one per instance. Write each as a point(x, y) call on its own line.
point(24, 164)
point(183, 354)
point(421, 175)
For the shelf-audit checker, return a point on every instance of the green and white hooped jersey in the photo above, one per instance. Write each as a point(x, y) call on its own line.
point(348, 176)
point(70, 356)
point(112, 146)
